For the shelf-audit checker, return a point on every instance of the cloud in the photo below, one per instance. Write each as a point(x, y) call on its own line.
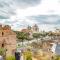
point(20, 13)
point(46, 19)
point(46, 7)
point(8, 7)
point(45, 22)
point(3, 17)
point(18, 24)
point(48, 27)
point(27, 3)
point(41, 7)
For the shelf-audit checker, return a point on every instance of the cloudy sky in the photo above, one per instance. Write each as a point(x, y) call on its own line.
point(20, 13)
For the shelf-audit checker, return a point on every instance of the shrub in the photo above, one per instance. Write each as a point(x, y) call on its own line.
point(2, 51)
point(28, 55)
point(10, 58)
point(57, 57)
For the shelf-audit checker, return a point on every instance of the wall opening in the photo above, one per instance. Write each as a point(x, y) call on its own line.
point(3, 45)
point(2, 33)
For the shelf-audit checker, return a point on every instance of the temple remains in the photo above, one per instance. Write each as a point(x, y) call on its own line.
point(7, 39)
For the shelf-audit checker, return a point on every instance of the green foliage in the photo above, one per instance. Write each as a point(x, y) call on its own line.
point(36, 35)
point(2, 51)
point(28, 55)
point(21, 35)
point(57, 57)
point(18, 46)
point(28, 39)
point(10, 58)
point(50, 33)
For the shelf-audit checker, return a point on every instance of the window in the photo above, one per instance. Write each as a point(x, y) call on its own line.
point(2, 33)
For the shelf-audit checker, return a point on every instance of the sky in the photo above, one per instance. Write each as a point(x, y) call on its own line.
point(21, 13)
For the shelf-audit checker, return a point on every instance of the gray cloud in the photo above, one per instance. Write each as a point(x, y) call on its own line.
point(26, 3)
point(3, 17)
point(46, 19)
point(8, 7)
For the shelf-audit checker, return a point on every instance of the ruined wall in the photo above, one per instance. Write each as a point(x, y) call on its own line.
point(7, 39)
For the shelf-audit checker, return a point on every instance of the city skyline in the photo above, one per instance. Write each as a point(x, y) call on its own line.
point(21, 13)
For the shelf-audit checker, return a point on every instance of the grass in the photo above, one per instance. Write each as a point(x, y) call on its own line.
point(27, 55)
point(10, 57)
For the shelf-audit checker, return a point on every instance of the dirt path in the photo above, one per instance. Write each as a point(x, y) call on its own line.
point(34, 58)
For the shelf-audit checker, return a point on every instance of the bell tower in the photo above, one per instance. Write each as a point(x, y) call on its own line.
point(35, 28)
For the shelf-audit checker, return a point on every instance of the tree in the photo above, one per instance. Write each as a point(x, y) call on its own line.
point(43, 35)
point(50, 33)
point(36, 36)
point(21, 36)
point(28, 37)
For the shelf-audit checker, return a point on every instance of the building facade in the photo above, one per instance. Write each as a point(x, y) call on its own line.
point(35, 28)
